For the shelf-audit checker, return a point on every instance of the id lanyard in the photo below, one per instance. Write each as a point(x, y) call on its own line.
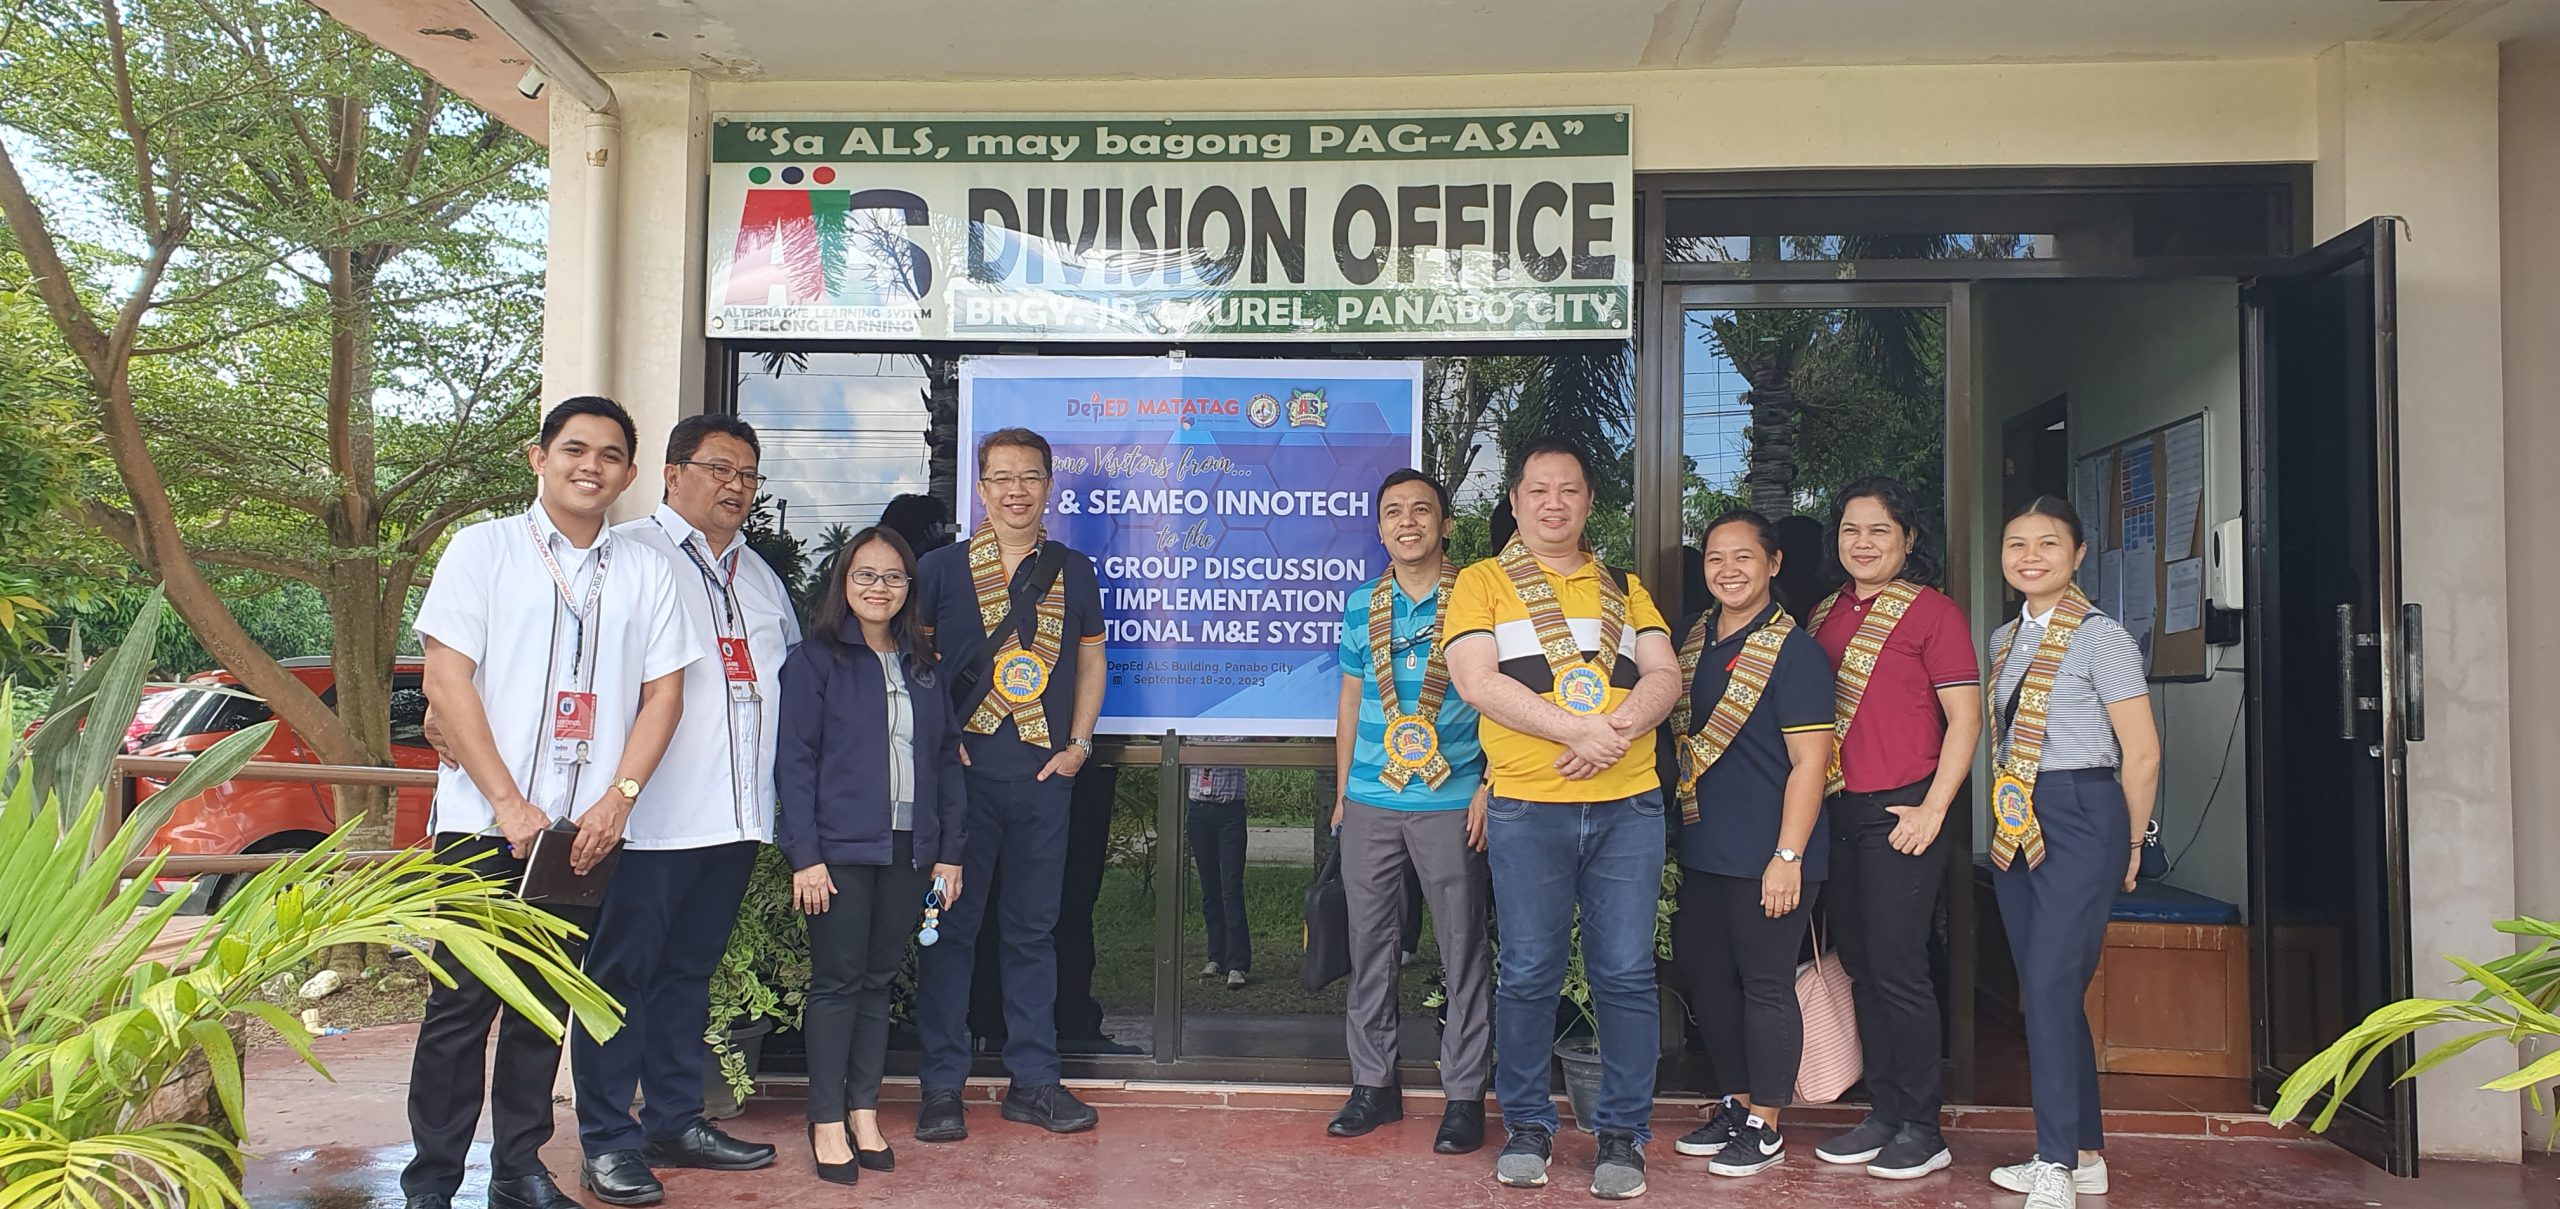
point(738, 671)
point(572, 710)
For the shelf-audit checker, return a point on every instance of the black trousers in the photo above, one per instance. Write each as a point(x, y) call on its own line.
point(1882, 905)
point(1740, 969)
point(445, 1082)
point(855, 948)
point(1217, 831)
point(659, 935)
point(2056, 917)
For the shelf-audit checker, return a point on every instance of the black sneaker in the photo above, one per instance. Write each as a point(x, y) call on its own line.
point(941, 1118)
point(1756, 1147)
point(1524, 1158)
point(1052, 1108)
point(1618, 1174)
point(1722, 1123)
point(1860, 1145)
point(1915, 1151)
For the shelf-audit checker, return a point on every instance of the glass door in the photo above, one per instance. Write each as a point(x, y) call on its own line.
point(1780, 396)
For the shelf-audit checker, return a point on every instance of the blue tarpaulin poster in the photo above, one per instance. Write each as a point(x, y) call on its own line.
point(1228, 506)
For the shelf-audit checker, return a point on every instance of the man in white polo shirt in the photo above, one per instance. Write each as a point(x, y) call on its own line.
point(555, 660)
point(693, 838)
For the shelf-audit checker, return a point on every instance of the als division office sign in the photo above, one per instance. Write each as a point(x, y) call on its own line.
point(1272, 227)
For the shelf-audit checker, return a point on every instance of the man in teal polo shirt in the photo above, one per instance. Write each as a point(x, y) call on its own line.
point(1413, 803)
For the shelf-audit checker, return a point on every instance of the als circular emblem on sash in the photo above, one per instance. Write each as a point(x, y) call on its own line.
point(1020, 676)
point(1582, 689)
point(2009, 801)
point(1411, 741)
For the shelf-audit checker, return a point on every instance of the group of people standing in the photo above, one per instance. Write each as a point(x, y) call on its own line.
point(646, 688)
point(1498, 739)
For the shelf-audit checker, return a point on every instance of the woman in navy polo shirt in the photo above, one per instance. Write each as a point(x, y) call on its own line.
point(867, 770)
point(1908, 712)
point(1753, 733)
point(2074, 760)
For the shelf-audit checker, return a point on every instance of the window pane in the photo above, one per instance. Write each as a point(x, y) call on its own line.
point(845, 433)
point(2094, 223)
point(1781, 407)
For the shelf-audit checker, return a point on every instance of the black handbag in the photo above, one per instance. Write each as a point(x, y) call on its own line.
point(1324, 951)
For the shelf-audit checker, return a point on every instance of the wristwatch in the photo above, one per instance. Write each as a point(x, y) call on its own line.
point(629, 788)
point(1790, 855)
point(1083, 745)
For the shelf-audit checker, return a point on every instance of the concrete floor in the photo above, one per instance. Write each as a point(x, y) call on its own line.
point(324, 1145)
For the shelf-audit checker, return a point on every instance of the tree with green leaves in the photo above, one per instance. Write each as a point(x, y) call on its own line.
point(291, 279)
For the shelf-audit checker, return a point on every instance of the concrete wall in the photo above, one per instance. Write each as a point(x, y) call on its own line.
point(2529, 221)
point(2132, 358)
point(2413, 131)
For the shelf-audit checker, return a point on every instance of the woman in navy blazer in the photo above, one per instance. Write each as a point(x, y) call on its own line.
point(872, 814)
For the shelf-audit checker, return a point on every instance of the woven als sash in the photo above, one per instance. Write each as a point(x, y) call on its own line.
point(1858, 663)
point(1017, 675)
point(1413, 739)
point(2013, 790)
point(1580, 685)
point(1752, 668)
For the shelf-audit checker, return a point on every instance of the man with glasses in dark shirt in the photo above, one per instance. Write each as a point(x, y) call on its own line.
point(1018, 619)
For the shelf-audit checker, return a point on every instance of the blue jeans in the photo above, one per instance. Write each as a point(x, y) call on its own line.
point(1018, 857)
point(1547, 859)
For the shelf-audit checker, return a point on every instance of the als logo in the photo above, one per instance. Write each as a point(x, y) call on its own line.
point(1307, 408)
point(830, 247)
point(1263, 410)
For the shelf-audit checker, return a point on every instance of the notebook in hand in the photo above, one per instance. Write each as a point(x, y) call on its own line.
point(550, 881)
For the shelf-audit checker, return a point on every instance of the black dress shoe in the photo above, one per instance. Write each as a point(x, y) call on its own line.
point(941, 1118)
point(1461, 1128)
point(1052, 1108)
point(709, 1149)
point(619, 1177)
point(833, 1173)
point(432, 1200)
point(1368, 1108)
point(534, 1191)
point(883, 1159)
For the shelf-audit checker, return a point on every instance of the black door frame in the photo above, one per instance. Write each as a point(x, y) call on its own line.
point(2389, 1142)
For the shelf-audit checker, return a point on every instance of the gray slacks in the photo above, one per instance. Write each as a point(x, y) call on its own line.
point(1377, 847)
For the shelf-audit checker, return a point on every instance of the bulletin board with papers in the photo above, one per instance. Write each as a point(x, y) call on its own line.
point(2143, 502)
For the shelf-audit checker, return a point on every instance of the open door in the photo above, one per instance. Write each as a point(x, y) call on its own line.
point(2332, 662)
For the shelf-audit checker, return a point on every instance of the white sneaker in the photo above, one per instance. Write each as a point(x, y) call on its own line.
point(1211, 970)
point(1235, 979)
point(2089, 1180)
point(2051, 1187)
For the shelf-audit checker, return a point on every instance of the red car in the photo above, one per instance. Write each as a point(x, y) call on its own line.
point(272, 816)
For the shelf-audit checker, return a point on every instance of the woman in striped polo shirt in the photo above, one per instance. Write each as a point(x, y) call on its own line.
point(2075, 759)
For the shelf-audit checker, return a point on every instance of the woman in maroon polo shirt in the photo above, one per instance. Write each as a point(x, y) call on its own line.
point(1911, 696)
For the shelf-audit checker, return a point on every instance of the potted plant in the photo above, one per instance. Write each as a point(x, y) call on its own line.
point(1577, 1045)
point(762, 981)
point(2516, 1002)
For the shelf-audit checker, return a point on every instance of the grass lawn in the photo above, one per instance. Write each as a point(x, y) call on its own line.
point(1124, 929)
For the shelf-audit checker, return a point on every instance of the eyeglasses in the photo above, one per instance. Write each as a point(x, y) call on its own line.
point(1007, 482)
point(728, 474)
point(868, 578)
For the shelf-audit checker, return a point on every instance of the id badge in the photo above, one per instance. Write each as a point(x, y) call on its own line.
point(573, 726)
point(737, 663)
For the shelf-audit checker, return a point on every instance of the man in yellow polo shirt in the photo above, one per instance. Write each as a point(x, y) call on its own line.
point(1572, 667)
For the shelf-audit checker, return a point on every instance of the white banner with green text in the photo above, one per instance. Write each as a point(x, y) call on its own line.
point(1421, 226)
